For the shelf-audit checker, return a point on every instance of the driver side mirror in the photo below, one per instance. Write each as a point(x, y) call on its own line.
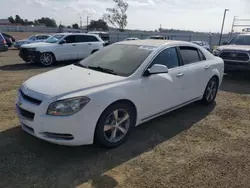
point(62, 42)
point(225, 43)
point(156, 69)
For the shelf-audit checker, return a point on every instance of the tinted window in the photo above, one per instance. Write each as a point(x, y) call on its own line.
point(70, 39)
point(189, 55)
point(85, 38)
point(122, 59)
point(202, 57)
point(241, 40)
point(167, 57)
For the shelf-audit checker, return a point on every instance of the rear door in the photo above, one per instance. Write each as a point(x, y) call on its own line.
point(189, 70)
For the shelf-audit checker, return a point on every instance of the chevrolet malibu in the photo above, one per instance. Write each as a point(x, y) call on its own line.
point(103, 97)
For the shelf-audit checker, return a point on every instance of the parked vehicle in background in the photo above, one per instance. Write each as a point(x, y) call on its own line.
point(61, 47)
point(31, 39)
point(131, 39)
point(9, 39)
point(204, 44)
point(3, 45)
point(158, 37)
point(100, 98)
point(103, 35)
point(236, 53)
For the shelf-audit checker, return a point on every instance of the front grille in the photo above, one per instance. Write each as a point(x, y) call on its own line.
point(24, 52)
point(30, 99)
point(235, 56)
point(26, 114)
point(58, 136)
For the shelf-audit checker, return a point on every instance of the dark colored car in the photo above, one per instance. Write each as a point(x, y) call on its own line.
point(104, 36)
point(9, 39)
point(158, 37)
point(236, 53)
point(3, 46)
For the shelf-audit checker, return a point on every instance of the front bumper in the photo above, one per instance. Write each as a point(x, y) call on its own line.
point(74, 130)
point(29, 56)
point(236, 66)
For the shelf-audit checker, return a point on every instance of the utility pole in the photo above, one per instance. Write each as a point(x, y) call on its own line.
point(232, 30)
point(222, 27)
point(80, 22)
point(87, 23)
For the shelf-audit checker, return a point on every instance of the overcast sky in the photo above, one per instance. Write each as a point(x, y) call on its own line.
point(198, 15)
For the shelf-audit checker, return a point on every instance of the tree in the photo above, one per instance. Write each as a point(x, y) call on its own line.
point(75, 26)
point(18, 19)
point(47, 21)
point(117, 16)
point(69, 27)
point(11, 19)
point(98, 25)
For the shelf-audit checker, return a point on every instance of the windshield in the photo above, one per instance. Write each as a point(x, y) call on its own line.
point(121, 59)
point(54, 39)
point(240, 40)
point(32, 37)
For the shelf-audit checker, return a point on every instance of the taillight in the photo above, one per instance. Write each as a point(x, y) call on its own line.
point(4, 41)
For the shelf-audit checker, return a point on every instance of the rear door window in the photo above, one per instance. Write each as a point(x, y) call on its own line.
point(189, 55)
point(86, 38)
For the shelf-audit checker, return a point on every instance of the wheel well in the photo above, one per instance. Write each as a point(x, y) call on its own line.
point(216, 77)
point(93, 51)
point(50, 53)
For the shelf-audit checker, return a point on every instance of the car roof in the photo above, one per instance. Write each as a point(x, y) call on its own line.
point(76, 34)
point(154, 43)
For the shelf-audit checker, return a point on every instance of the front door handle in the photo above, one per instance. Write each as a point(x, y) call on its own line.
point(73, 44)
point(89, 44)
point(180, 74)
point(207, 67)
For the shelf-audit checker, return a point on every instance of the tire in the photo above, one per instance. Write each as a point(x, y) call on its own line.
point(47, 59)
point(104, 135)
point(210, 91)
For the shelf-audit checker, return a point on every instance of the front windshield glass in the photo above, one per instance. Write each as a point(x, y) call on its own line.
point(54, 38)
point(241, 40)
point(122, 59)
point(32, 37)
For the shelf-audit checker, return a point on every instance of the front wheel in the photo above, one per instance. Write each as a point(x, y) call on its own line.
point(114, 125)
point(47, 59)
point(210, 91)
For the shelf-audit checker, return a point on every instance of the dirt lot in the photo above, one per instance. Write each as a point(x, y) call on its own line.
point(195, 146)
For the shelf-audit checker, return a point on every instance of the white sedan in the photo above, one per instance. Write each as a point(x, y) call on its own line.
point(103, 97)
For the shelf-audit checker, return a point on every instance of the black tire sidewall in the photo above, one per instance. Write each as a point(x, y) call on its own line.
point(99, 132)
point(53, 59)
point(204, 99)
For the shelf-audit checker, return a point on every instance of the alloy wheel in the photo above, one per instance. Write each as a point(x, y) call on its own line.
point(116, 125)
point(46, 59)
point(211, 90)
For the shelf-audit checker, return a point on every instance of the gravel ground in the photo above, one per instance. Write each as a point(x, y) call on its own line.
point(196, 146)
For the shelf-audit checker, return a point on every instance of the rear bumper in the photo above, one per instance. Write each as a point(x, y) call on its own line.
point(236, 66)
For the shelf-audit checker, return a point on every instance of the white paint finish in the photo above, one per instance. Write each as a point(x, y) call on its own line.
point(152, 96)
point(68, 51)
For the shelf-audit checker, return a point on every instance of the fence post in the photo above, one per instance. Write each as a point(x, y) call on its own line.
point(210, 41)
point(117, 40)
point(190, 38)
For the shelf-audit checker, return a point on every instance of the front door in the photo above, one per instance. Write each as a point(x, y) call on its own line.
point(68, 50)
point(161, 92)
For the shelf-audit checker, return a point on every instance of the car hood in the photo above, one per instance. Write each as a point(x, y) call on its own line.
point(235, 47)
point(69, 79)
point(38, 44)
point(21, 41)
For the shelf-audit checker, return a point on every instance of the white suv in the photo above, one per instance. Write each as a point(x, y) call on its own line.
point(61, 47)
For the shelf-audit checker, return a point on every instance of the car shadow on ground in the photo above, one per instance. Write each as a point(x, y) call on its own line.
point(236, 83)
point(29, 66)
point(28, 161)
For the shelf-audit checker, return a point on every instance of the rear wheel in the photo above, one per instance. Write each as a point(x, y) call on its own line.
point(115, 125)
point(211, 91)
point(47, 59)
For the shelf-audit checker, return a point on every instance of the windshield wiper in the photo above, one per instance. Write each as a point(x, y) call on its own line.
point(102, 70)
point(79, 65)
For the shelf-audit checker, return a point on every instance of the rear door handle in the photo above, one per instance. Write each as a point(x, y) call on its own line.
point(89, 44)
point(180, 74)
point(207, 67)
point(73, 44)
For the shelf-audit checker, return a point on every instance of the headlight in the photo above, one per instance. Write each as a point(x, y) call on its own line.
point(67, 107)
point(216, 52)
